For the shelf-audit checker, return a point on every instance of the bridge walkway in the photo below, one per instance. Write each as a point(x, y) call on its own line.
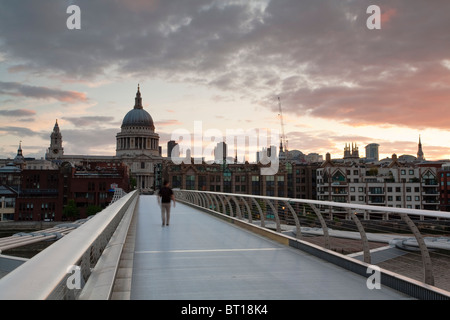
point(200, 257)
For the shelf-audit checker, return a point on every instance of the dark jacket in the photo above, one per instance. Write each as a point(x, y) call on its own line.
point(166, 194)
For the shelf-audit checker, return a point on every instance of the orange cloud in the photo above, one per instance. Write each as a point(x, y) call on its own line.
point(73, 96)
point(386, 16)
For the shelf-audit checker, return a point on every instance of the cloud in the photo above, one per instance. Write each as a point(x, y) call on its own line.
point(165, 123)
point(318, 56)
point(333, 142)
point(17, 113)
point(19, 131)
point(88, 141)
point(75, 141)
point(404, 96)
point(21, 90)
point(387, 15)
point(90, 121)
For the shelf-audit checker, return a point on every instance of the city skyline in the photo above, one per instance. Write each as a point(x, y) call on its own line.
point(225, 63)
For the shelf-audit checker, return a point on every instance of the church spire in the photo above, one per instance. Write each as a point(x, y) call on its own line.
point(56, 127)
point(138, 99)
point(420, 151)
point(19, 160)
point(19, 151)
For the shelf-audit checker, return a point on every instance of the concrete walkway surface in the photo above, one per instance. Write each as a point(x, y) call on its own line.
point(200, 257)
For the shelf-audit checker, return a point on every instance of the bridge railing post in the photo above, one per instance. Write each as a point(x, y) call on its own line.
point(426, 260)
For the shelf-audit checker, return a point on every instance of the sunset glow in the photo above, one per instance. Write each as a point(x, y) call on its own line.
point(225, 63)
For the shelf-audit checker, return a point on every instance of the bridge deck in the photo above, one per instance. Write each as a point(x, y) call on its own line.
point(199, 257)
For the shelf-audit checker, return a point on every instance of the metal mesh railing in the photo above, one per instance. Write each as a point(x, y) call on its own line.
point(413, 243)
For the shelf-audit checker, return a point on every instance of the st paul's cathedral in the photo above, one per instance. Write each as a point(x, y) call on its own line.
point(137, 146)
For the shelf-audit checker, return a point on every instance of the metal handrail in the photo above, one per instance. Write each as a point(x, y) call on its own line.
point(45, 275)
point(194, 196)
point(415, 212)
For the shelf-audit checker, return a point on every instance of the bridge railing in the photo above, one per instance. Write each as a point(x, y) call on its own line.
point(420, 238)
point(61, 270)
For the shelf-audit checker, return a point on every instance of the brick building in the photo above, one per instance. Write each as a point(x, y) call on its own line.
point(43, 193)
point(293, 180)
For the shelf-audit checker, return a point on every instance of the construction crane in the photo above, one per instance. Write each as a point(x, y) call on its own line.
point(283, 140)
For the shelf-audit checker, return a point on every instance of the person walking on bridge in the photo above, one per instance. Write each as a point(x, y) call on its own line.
point(165, 196)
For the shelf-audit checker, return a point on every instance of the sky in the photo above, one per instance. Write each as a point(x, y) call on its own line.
point(224, 64)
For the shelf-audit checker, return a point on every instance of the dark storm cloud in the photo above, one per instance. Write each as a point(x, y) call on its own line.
point(318, 56)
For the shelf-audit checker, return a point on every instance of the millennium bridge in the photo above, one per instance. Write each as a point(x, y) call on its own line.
point(222, 246)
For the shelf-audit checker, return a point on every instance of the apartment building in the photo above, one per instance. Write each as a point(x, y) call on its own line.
point(393, 184)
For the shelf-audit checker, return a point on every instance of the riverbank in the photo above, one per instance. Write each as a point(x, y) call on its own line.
point(9, 228)
point(26, 226)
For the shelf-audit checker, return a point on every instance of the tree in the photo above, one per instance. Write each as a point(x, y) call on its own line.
point(92, 209)
point(133, 183)
point(71, 211)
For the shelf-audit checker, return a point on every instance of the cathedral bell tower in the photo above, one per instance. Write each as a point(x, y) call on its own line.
point(56, 149)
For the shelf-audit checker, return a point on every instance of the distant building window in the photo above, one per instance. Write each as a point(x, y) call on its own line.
point(190, 182)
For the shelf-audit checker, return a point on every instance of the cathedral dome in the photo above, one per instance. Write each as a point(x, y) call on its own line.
point(138, 117)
